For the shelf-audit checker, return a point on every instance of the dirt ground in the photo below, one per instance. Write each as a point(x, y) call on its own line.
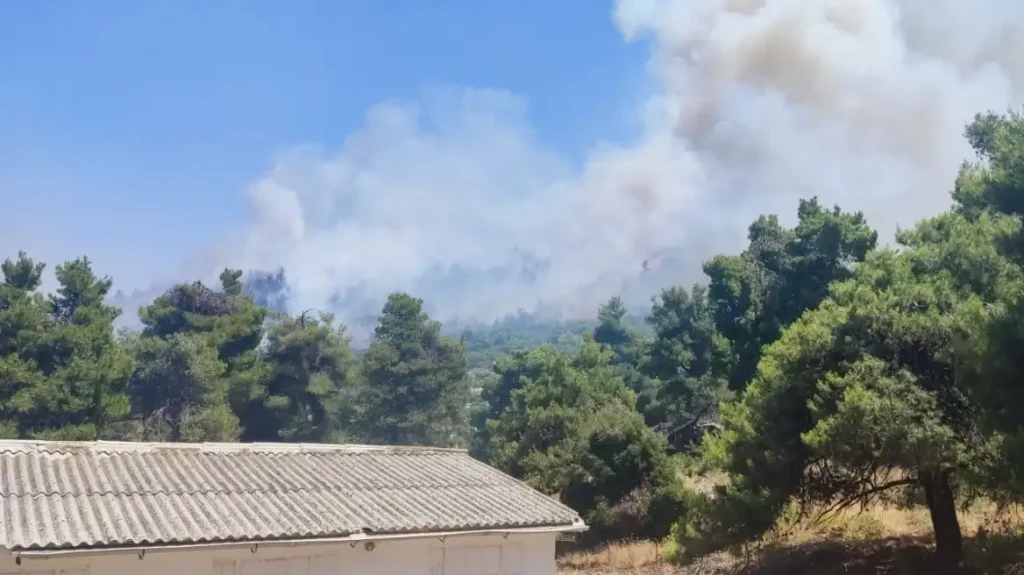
point(862, 542)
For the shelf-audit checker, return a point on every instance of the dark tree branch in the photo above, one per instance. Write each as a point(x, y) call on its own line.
point(302, 316)
point(661, 428)
point(864, 496)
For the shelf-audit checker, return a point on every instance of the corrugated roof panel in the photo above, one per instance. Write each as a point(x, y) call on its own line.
point(66, 494)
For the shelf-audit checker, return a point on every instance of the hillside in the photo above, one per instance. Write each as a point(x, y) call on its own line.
point(523, 331)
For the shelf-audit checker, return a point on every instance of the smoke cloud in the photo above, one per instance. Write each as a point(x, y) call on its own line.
point(760, 102)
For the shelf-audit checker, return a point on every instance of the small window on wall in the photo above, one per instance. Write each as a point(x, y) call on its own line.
point(316, 565)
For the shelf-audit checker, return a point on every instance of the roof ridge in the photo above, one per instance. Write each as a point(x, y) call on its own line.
point(261, 491)
point(269, 448)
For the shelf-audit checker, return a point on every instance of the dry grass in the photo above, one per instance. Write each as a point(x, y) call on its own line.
point(638, 557)
point(878, 521)
point(874, 540)
point(704, 483)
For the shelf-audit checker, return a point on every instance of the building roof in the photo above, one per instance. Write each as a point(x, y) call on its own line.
point(112, 494)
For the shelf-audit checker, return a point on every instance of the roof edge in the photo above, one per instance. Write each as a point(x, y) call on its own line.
point(577, 527)
point(29, 445)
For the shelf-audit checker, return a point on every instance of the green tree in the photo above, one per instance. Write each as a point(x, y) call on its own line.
point(569, 427)
point(225, 321)
point(629, 347)
point(62, 374)
point(782, 273)
point(23, 274)
point(481, 382)
point(991, 190)
point(231, 282)
point(415, 389)
point(180, 389)
point(690, 359)
point(233, 322)
point(612, 330)
point(308, 389)
point(861, 398)
point(509, 374)
point(23, 316)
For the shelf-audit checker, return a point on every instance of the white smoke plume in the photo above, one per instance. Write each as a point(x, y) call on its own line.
point(760, 102)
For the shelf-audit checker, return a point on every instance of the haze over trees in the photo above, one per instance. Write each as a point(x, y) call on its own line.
point(813, 369)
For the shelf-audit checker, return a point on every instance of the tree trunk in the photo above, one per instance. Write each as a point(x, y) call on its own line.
point(949, 543)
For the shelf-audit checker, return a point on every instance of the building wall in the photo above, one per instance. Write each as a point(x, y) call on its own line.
point(525, 554)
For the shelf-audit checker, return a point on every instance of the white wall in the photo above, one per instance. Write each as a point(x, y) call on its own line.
point(532, 554)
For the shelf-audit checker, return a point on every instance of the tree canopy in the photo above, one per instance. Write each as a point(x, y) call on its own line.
point(888, 387)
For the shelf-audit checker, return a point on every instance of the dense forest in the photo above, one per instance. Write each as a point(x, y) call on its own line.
point(813, 368)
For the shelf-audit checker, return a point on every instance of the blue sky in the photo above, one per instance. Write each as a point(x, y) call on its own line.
point(370, 146)
point(130, 130)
